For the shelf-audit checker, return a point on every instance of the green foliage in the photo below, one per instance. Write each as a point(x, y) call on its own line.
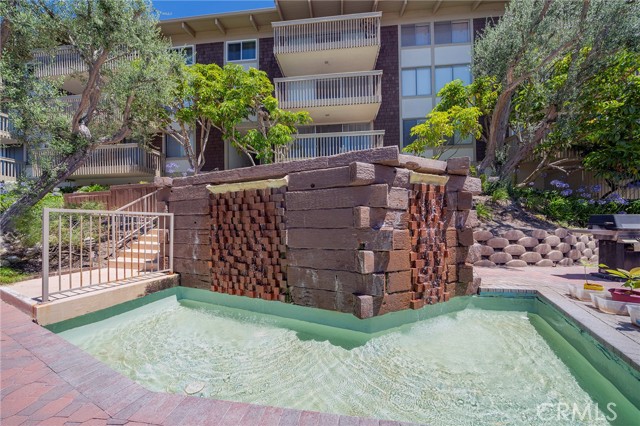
point(571, 208)
point(208, 96)
point(500, 194)
point(93, 188)
point(483, 212)
point(28, 226)
point(9, 275)
point(632, 277)
point(459, 111)
point(561, 86)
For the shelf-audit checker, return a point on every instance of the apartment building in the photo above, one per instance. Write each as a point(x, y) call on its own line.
point(366, 71)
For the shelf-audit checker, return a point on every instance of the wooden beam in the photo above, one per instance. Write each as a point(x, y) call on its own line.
point(341, 7)
point(404, 6)
point(475, 5)
point(279, 9)
point(375, 6)
point(437, 6)
point(187, 29)
point(221, 27)
point(310, 8)
point(254, 23)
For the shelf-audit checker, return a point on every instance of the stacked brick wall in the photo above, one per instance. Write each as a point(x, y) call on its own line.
point(347, 234)
point(358, 237)
point(515, 248)
point(248, 243)
point(428, 245)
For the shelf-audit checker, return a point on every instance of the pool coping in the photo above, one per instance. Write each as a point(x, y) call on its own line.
point(44, 377)
point(625, 348)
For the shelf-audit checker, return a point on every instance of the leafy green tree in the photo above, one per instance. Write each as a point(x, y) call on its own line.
point(126, 63)
point(462, 109)
point(541, 56)
point(238, 103)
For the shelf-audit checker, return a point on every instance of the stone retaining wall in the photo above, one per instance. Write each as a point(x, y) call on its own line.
point(538, 247)
point(366, 232)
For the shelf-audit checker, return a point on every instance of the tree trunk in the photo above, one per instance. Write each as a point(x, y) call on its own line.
point(42, 187)
point(497, 129)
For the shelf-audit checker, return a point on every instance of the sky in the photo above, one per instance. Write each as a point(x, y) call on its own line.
point(171, 9)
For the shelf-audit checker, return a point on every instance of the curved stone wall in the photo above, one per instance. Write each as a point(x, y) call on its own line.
point(538, 247)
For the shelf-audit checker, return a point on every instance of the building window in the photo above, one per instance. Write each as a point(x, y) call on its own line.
point(452, 32)
point(407, 124)
point(174, 149)
point(416, 81)
point(241, 51)
point(447, 74)
point(457, 140)
point(415, 35)
point(187, 52)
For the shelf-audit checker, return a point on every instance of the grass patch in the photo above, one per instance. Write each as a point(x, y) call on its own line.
point(484, 212)
point(9, 275)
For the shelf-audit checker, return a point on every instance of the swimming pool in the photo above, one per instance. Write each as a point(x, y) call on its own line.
point(473, 360)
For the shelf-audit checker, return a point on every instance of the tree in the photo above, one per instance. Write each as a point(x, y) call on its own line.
point(541, 55)
point(462, 109)
point(238, 103)
point(124, 82)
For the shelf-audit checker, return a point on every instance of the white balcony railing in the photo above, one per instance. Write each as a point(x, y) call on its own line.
point(335, 32)
point(5, 126)
point(322, 144)
point(10, 169)
point(127, 159)
point(70, 103)
point(351, 88)
point(66, 60)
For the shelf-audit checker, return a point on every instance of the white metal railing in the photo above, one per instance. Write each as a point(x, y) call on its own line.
point(351, 88)
point(5, 126)
point(120, 159)
point(334, 32)
point(66, 60)
point(10, 169)
point(146, 203)
point(322, 144)
point(87, 248)
point(70, 103)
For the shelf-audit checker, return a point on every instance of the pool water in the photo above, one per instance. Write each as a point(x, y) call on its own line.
point(471, 366)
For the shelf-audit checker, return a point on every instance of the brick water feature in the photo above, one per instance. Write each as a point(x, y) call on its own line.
point(366, 232)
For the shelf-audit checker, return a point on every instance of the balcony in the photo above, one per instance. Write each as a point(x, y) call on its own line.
point(67, 61)
point(122, 160)
point(5, 128)
point(322, 144)
point(10, 169)
point(331, 98)
point(327, 45)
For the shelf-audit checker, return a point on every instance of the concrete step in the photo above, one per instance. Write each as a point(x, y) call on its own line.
point(153, 239)
point(135, 253)
point(134, 264)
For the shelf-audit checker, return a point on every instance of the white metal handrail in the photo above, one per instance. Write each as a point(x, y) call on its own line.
point(120, 159)
point(351, 88)
point(323, 144)
point(10, 169)
point(85, 246)
point(66, 60)
point(334, 32)
point(146, 203)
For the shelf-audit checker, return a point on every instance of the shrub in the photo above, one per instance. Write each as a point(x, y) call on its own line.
point(93, 188)
point(9, 275)
point(484, 212)
point(500, 194)
point(572, 207)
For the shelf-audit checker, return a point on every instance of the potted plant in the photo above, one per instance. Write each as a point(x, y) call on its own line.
point(587, 285)
point(629, 293)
